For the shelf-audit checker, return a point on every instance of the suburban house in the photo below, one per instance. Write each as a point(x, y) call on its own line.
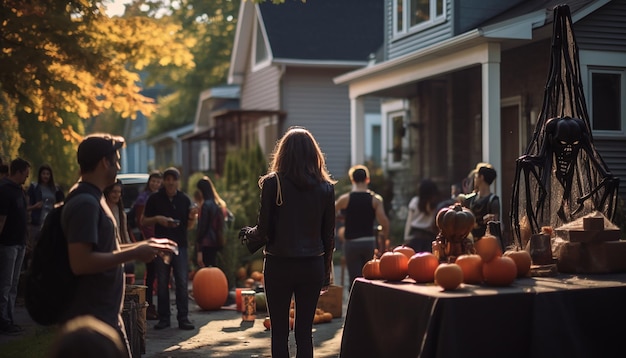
point(462, 82)
point(281, 74)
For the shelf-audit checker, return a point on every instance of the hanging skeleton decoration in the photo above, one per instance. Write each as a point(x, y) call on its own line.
point(561, 176)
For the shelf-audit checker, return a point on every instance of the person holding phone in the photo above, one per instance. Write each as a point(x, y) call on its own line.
point(172, 214)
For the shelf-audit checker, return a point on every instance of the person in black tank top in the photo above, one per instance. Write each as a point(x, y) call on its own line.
point(361, 209)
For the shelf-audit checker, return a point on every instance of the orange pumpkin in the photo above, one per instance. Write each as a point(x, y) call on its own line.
point(448, 276)
point(393, 266)
point(210, 288)
point(371, 269)
point(488, 247)
point(455, 222)
point(472, 267)
point(422, 266)
point(242, 273)
point(522, 261)
point(501, 271)
point(256, 276)
point(406, 250)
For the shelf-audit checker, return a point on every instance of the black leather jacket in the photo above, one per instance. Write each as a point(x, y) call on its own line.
point(303, 226)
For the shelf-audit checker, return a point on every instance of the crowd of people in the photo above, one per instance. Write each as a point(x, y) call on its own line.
point(300, 232)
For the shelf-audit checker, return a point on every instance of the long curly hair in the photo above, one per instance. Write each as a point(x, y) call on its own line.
point(298, 157)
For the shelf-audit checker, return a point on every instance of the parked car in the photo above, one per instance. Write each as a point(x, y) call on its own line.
point(134, 183)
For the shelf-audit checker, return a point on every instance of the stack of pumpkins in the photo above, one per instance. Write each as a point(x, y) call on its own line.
point(488, 265)
point(483, 262)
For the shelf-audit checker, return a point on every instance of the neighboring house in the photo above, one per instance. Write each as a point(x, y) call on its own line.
point(283, 62)
point(168, 148)
point(138, 156)
point(463, 82)
point(202, 148)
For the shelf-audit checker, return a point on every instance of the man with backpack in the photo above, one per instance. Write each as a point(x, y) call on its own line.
point(95, 255)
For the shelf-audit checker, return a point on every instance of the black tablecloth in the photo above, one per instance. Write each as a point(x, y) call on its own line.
point(562, 316)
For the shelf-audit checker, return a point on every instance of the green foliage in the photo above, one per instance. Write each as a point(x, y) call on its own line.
point(212, 25)
point(239, 189)
point(10, 139)
point(45, 144)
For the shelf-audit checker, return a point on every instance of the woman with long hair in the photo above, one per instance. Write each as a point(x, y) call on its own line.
point(42, 196)
point(297, 216)
point(420, 228)
point(155, 179)
point(113, 198)
point(211, 204)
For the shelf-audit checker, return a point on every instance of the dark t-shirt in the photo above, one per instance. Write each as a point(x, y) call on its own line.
point(13, 206)
point(89, 220)
point(480, 207)
point(177, 208)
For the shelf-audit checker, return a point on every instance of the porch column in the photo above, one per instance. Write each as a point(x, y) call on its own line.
point(357, 131)
point(491, 112)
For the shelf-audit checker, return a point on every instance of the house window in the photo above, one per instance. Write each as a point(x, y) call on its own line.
point(396, 141)
point(604, 83)
point(416, 15)
point(607, 91)
point(260, 49)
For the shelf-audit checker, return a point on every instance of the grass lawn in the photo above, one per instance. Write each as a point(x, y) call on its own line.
point(34, 345)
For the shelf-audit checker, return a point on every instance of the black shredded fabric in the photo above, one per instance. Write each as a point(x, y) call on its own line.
point(561, 176)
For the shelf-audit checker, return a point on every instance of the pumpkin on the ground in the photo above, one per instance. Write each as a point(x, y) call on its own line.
point(210, 288)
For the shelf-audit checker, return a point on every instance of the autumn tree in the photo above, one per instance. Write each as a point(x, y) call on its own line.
point(212, 25)
point(65, 59)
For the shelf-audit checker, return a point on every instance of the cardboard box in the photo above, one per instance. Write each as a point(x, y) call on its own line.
point(332, 301)
point(591, 258)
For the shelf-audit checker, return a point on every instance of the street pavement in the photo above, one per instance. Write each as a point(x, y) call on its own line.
point(220, 333)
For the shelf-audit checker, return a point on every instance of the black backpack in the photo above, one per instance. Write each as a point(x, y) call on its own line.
point(50, 283)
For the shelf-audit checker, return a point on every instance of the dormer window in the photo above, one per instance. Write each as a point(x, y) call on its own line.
point(416, 15)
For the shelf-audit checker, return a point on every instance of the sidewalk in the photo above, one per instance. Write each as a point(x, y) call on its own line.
point(219, 333)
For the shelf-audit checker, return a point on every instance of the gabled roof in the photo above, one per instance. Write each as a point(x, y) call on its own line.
point(315, 32)
point(345, 30)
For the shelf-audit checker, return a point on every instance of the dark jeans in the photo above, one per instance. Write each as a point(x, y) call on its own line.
point(150, 277)
point(357, 253)
point(303, 278)
point(209, 256)
point(180, 267)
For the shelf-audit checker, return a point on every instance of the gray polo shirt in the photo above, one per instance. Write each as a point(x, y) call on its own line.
point(84, 219)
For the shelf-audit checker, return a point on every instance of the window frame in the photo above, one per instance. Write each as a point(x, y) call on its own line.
point(607, 63)
point(391, 110)
point(406, 28)
point(259, 29)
